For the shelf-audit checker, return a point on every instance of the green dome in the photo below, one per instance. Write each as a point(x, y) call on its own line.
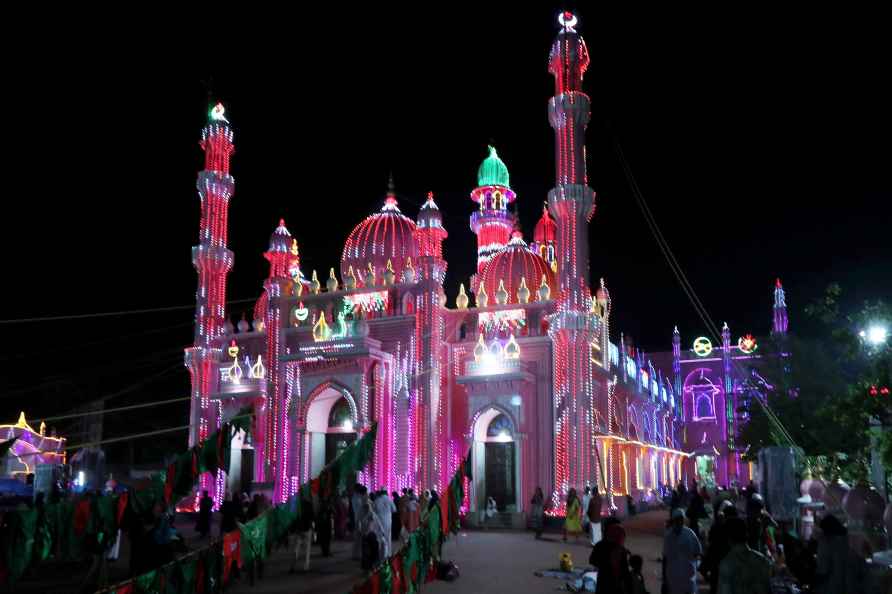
point(492, 171)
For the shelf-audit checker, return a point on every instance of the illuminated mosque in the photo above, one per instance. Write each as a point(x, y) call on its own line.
point(521, 370)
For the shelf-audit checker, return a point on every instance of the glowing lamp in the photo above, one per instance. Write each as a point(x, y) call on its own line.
point(702, 347)
point(347, 425)
point(218, 113)
point(875, 335)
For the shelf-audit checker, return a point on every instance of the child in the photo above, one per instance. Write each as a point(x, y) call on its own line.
point(635, 562)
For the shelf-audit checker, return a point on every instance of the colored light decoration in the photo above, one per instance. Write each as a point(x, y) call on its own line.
point(702, 346)
point(878, 390)
point(258, 371)
point(747, 344)
point(505, 320)
point(375, 301)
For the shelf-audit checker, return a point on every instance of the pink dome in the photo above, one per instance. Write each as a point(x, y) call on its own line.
point(385, 235)
point(546, 228)
point(513, 262)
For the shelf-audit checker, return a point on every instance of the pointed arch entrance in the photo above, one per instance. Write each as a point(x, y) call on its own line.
point(496, 460)
point(331, 424)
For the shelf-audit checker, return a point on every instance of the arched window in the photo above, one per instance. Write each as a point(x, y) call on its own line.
point(500, 426)
point(339, 416)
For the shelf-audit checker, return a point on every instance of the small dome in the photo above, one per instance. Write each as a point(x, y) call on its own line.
point(385, 235)
point(492, 171)
point(515, 262)
point(546, 228)
point(429, 216)
point(280, 240)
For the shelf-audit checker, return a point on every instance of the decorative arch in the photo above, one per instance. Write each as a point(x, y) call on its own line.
point(499, 409)
point(329, 384)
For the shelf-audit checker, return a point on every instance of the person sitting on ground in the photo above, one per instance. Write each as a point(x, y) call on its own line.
point(743, 570)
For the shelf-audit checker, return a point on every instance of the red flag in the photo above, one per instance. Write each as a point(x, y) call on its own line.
point(431, 573)
point(398, 584)
point(199, 576)
point(445, 513)
point(122, 506)
point(125, 589)
point(232, 552)
point(168, 482)
point(314, 486)
point(81, 516)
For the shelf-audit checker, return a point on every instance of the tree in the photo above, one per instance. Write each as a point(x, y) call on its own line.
point(817, 390)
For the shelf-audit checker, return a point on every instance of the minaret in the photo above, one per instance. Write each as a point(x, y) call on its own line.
point(213, 261)
point(573, 327)
point(676, 361)
point(493, 222)
point(728, 385)
point(272, 442)
point(779, 327)
point(429, 332)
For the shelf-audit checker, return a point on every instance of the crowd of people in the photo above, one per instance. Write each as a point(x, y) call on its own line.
point(722, 537)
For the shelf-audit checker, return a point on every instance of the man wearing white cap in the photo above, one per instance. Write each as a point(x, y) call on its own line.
point(681, 554)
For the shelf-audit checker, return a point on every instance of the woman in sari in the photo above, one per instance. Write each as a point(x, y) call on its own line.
point(573, 521)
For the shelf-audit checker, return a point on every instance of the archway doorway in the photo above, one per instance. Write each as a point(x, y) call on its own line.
point(331, 427)
point(497, 463)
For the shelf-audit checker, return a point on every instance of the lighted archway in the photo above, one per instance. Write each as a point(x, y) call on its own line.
point(495, 456)
point(331, 422)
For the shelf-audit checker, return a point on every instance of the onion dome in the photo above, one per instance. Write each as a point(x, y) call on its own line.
point(513, 263)
point(492, 171)
point(602, 296)
point(385, 235)
point(546, 228)
point(243, 325)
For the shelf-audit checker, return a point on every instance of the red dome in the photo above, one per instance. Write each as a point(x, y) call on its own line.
point(546, 228)
point(385, 235)
point(513, 262)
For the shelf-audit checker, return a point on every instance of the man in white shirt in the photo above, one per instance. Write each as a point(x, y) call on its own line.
point(681, 556)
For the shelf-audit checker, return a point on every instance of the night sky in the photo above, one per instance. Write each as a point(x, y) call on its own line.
point(760, 142)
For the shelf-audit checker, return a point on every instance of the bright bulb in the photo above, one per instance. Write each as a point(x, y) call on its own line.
point(348, 425)
point(876, 335)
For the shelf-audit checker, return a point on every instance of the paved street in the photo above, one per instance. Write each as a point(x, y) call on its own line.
point(489, 561)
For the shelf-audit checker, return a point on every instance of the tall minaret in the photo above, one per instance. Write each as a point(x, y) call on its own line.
point(429, 331)
point(213, 261)
point(492, 223)
point(779, 327)
point(573, 327)
point(676, 362)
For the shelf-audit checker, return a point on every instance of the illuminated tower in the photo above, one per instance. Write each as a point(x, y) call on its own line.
point(676, 362)
point(544, 238)
point(492, 223)
point(779, 327)
point(573, 327)
point(429, 334)
point(271, 440)
point(213, 261)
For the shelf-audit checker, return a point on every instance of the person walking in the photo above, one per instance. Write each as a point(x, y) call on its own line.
point(323, 524)
point(681, 552)
point(304, 538)
point(205, 507)
point(611, 558)
point(537, 512)
point(573, 522)
point(395, 521)
point(231, 512)
point(586, 497)
point(743, 570)
point(839, 569)
point(593, 513)
point(372, 538)
point(490, 513)
point(384, 509)
point(357, 502)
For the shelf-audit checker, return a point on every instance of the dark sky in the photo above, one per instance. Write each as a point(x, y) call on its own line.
point(760, 141)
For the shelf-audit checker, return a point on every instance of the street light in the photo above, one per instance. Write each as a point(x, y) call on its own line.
point(875, 335)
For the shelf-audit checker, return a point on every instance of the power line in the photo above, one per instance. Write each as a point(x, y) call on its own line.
point(107, 314)
point(680, 276)
point(113, 410)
